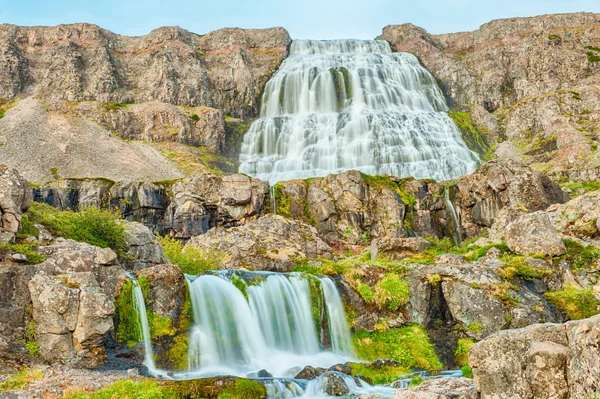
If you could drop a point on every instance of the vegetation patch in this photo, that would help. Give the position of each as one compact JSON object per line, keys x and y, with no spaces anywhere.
{"x":129,"y":389}
{"x":461,"y":354}
{"x":381,"y":375}
{"x":410,"y":346}
{"x":577,"y":188}
{"x":128,"y":324}
{"x":576,"y":303}
{"x":473,"y":136}
{"x":102,"y":228}
{"x":515,"y":266}
{"x":580,"y":256}
{"x":21,"y":380}
{"x":114,"y":106}
{"x":191,"y":260}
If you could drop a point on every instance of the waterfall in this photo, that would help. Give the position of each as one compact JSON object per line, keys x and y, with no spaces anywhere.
{"x":140,"y":307}
{"x":353,"y":104}
{"x":456,"y":234}
{"x":269,"y":327}
{"x":273,"y":200}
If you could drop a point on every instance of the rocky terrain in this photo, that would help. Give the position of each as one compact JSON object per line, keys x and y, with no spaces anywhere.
{"x":528,"y":84}
{"x":116,"y":170}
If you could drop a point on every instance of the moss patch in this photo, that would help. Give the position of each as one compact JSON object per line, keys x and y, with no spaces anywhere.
{"x":576,"y":188}
{"x":410,"y":346}
{"x":379,"y":375}
{"x":21,"y":380}
{"x":473,"y":136}
{"x":128,"y":325}
{"x":576,"y":303}
{"x":190,"y":260}
{"x":579,"y":256}
{"x":461,"y":353}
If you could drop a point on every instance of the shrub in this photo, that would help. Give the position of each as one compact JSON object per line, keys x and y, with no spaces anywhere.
{"x":92,"y":225}
{"x":190,"y":260}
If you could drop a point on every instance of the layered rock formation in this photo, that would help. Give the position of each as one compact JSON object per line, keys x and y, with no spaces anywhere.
{"x":15,"y":198}
{"x":530,"y":84}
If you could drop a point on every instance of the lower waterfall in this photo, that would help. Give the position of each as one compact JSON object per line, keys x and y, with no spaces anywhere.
{"x":140,"y":307}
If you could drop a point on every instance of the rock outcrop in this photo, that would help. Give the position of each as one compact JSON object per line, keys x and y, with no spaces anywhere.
{"x":539,"y":361}
{"x":15,"y":198}
{"x":532,"y":234}
{"x":530,"y":84}
{"x":82,"y":62}
{"x":143,"y":248}
{"x":269,"y":243}
{"x":455,"y":388}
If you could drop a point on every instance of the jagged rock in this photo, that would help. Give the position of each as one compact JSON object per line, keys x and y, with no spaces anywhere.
{"x":533,"y":234}
{"x":309,"y":373}
{"x":398,"y":247}
{"x":71,"y":314}
{"x":143,"y":247}
{"x":169,"y":64}
{"x":539,"y":361}
{"x":204,"y":201}
{"x":579,"y":217}
{"x":269,"y":243}
{"x":167,"y":291}
{"x":538,"y":102}
{"x":443,"y":388}
{"x":15,"y":198}
{"x":481,"y":196}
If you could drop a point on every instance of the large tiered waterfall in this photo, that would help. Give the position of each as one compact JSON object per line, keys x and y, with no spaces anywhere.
{"x":353,"y":104}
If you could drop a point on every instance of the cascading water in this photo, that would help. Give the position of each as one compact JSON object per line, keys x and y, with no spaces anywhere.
{"x":272,"y":329}
{"x":140,"y":307}
{"x":353,"y":104}
{"x":456,"y":234}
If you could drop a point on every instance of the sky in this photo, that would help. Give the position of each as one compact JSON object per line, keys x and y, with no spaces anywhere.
{"x":304,"y":19}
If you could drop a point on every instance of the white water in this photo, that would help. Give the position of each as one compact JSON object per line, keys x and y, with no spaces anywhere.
{"x":353,"y":104}
{"x":140,"y":307}
{"x":341,"y":341}
{"x":272,"y":330}
{"x":455,"y":224}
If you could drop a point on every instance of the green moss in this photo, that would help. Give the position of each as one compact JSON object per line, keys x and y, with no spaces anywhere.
{"x":579,"y":256}
{"x":240,"y":285}
{"x":365,"y":292}
{"x":391,"y":292}
{"x":21,"y":380}
{"x":576,"y":187}
{"x":282,"y":201}
{"x":29,"y":249}
{"x":194,"y":117}
{"x":317,"y":301}
{"x":190,"y":260}
{"x":378,"y":375}
{"x":467,"y":371}
{"x":408,"y":345}
{"x":160,"y":326}
{"x":475,"y":327}
{"x":30,"y":343}
{"x":243,"y":389}
{"x":128,"y":325}
{"x":415,"y":381}
{"x":553,"y":37}
{"x":462,"y":351}
{"x":473,"y":136}
{"x":114,"y":106}
{"x":576,"y":303}
{"x":515,"y":266}
{"x":27,"y":227}
{"x":102,"y":228}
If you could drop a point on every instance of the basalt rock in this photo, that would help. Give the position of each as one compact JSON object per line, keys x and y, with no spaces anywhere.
{"x":539,"y":361}
{"x":15,"y":198}
{"x":143,"y":248}
{"x":269,"y":243}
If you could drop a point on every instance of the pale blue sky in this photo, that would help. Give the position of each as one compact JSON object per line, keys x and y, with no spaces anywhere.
{"x":310,"y":19}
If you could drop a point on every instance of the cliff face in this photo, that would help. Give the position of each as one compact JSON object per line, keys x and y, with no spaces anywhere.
{"x":531,"y":84}
{"x":225,"y":69}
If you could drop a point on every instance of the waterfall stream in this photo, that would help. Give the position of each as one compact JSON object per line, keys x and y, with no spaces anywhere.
{"x":353,"y":104}
{"x":140,"y":307}
{"x":456,"y":234}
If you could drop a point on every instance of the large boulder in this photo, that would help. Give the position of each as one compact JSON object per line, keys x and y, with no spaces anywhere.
{"x":15,"y":198}
{"x":71,"y":315}
{"x":143,"y":248}
{"x":539,"y":361}
{"x":443,"y":388}
{"x":270,"y":243}
{"x":534,"y":234}
{"x":578,"y":217}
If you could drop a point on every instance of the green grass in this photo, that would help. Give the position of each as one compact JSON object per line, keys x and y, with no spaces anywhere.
{"x":461,"y":353}
{"x":575,"y":187}
{"x":128,"y":389}
{"x":28,"y":249}
{"x":576,"y":303}
{"x":128,"y":326}
{"x":190,"y":260}
{"x":410,"y":346}
{"x":102,"y":228}
{"x":515,"y":266}
{"x":21,"y":380}
{"x":391,"y":292}
{"x":114,"y":106}
{"x":579,"y":256}
{"x":243,"y":389}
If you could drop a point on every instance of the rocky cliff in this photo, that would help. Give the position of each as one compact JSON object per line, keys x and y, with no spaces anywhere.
{"x":529,"y":85}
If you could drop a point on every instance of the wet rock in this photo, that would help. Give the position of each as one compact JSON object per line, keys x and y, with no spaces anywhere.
{"x":167,"y":292}
{"x":264,"y":374}
{"x":269,"y":243}
{"x":15,"y":198}
{"x":443,"y":388}
{"x":334,"y":384}
{"x":534,"y":234}
{"x":309,"y":373}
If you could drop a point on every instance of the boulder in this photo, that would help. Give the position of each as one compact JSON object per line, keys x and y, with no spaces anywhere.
{"x":579,"y":217}
{"x":396,"y":248}
{"x":334,"y":383}
{"x":532,"y":234}
{"x":442,"y":388}
{"x":167,"y":292}
{"x":539,"y":361}
{"x":270,"y":243}
{"x":15,"y":198}
{"x":143,"y":248}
